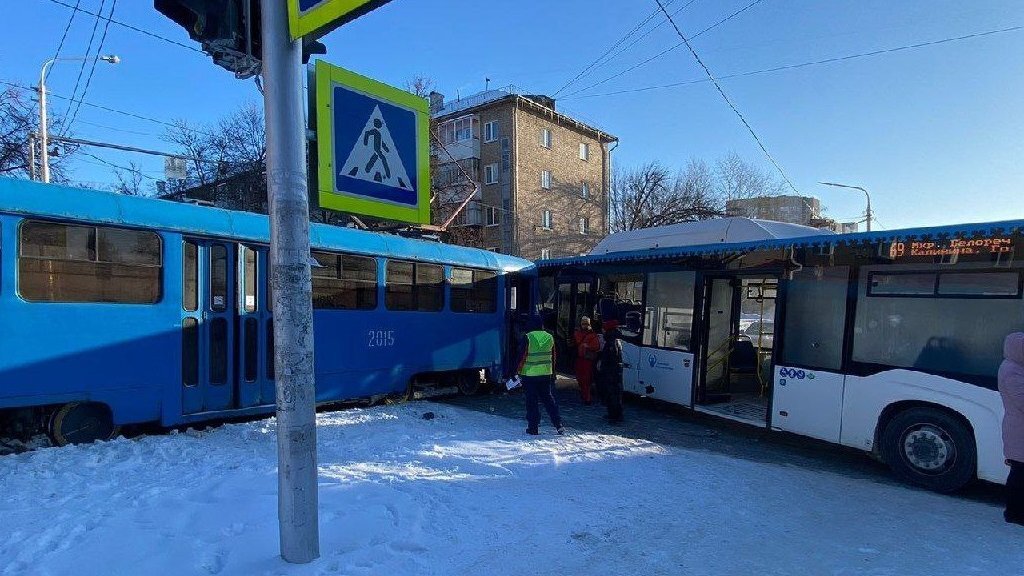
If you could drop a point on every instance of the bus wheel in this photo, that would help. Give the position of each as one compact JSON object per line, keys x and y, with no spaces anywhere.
{"x":82,"y":423}
{"x":931,"y":448}
{"x":468,"y":382}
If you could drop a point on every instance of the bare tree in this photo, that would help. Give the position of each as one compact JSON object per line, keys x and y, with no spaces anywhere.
{"x":19,"y":117}
{"x":736,"y":179}
{"x":651,"y":196}
{"x":129,"y":181}
{"x":235,"y":145}
{"x":421,"y":86}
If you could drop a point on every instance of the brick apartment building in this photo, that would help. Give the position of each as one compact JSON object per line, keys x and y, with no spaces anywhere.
{"x":538,"y":179}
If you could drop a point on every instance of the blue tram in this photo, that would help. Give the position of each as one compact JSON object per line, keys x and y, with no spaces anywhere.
{"x":120,"y":310}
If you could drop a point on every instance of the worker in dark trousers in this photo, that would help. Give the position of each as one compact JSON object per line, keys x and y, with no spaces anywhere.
{"x":537,"y":370}
{"x":609,"y":371}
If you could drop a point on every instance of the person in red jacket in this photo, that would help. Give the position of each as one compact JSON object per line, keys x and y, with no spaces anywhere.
{"x":587,"y":344}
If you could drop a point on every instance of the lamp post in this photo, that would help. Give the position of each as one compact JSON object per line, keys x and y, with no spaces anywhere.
{"x":43,"y":134}
{"x":867,"y":214}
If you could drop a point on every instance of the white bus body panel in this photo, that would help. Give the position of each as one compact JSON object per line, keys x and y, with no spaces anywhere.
{"x":630,"y":368}
{"x":866,"y":397}
{"x":808,"y":402}
{"x":669,"y":372}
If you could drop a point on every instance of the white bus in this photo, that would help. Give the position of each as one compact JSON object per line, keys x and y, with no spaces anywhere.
{"x":888,"y":342}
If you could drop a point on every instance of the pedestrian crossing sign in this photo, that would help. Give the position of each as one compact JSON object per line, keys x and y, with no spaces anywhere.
{"x":373,"y":154}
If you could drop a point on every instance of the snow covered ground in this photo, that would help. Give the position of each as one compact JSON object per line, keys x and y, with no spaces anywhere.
{"x":469,"y":493}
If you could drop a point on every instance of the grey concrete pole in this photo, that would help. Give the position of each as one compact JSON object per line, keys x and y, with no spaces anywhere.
{"x":43,"y":133}
{"x":293,"y":303}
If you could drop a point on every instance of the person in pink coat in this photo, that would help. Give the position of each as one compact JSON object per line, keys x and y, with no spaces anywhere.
{"x":1011,"y":388}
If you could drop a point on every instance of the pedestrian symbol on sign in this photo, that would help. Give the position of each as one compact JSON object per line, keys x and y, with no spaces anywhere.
{"x":374,"y":157}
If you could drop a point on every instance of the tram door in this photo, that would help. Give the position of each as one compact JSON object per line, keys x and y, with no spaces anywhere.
{"x":225,"y":324}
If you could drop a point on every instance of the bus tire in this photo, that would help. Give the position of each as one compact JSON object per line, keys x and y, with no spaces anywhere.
{"x":82,"y":423}
{"x":468,"y":382}
{"x":930,"y":447}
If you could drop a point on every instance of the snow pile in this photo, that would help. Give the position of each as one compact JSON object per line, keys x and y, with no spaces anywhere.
{"x":469,"y":493}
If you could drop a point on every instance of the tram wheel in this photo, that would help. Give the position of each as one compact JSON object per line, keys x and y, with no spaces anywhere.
{"x":82,"y":423}
{"x":931,"y":448}
{"x":468,"y":382}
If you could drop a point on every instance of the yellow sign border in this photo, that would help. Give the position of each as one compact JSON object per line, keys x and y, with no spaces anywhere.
{"x":327,"y":76}
{"x":330,"y":14}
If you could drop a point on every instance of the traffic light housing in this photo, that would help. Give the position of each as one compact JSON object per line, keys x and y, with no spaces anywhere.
{"x":228,"y":30}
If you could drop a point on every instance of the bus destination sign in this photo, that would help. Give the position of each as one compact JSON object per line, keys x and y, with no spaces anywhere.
{"x":951,"y":247}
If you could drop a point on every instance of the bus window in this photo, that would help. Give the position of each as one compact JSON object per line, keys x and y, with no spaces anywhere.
{"x":670,"y":309}
{"x":934,"y":332}
{"x":473,"y":290}
{"x":815,"y":317}
{"x":414,"y":286}
{"x":344,"y":282}
{"x":70,"y":263}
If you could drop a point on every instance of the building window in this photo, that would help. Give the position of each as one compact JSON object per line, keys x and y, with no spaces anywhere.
{"x":545,"y":253}
{"x":70,"y":263}
{"x":545,"y":137}
{"x":458,"y":130}
{"x":473,"y":290}
{"x":584,"y":151}
{"x":414,"y":286}
{"x":584,"y":225}
{"x":344,"y":282}
{"x":545,"y":179}
{"x":585,"y":191}
{"x":492,"y":216}
{"x":491,"y":131}
{"x":491,"y":174}
{"x":545,"y":220}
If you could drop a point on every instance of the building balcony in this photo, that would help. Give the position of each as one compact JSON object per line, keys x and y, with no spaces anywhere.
{"x":457,"y":151}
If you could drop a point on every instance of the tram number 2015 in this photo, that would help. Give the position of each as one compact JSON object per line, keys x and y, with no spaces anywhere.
{"x":381,"y":338}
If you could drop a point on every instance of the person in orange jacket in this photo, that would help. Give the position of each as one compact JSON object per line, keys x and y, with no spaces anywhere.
{"x":587,"y":344}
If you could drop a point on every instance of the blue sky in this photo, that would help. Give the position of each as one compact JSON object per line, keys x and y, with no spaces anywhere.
{"x":935,"y":133}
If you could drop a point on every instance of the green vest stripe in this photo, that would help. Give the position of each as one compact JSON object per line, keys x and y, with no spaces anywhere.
{"x":538,"y":354}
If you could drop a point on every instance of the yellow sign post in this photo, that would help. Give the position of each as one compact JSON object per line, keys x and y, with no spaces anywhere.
{"x":318,"y":17}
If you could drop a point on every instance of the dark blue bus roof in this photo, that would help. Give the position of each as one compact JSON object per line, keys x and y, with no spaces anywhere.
{"x":25,"y":197}
{"x":859,"y":238}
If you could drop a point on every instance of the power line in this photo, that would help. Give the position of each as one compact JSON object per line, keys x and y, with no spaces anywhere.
{"x":64,"y":36}
{"x":118,"y":166}
{"x":613,"y":47}
{"x":130,"y":27}
{"x":92,"y":70}
{"x":670,"y":48}
{"x":806,"y":64}
{"x":88,"y":50}
{"x":728,"y":101}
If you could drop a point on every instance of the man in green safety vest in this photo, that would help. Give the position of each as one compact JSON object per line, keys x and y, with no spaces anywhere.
{"x":537,"y":370}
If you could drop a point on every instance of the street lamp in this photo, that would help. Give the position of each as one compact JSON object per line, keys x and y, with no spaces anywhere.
{"x":109,"y":58}
{"x":868,"y":196}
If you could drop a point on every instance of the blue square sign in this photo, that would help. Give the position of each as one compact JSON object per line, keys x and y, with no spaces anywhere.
{"x":374,"y":148}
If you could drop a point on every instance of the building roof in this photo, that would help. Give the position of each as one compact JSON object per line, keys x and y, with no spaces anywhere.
{"x":492,"y":97}
{"x":822,"y":239}
{"x":719,"y":230}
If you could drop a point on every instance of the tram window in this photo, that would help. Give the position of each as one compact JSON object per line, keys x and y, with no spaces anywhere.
{"x":190,"y":276}
{"x":815,"y":318}
{"x":70,"y":263}
{"x":473,"y":290}
{"x":189,"y":351}
{"x":414,"y":286}
{"x":218,"y":278}
{"x":670,"y":309}
{"x":934,"y":333}
{"x":219,"y":351}
{"x":344,"y":282}
{"x":249,"y":269}
{"x":251,"y":349}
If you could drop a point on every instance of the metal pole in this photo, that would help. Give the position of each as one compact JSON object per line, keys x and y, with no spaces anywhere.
{"x":290,"y":273}
{"x":869,"y":208}
{"x":32,"y":156}
{"x":45,"y":152}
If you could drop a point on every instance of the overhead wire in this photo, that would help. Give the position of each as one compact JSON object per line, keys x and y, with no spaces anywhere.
{"x":725,"y":97}
{"x":670,"y":48}
{"x":64,"y":36}
{"x":131,"y":27}
{"x":85,"y":60}
{"x":806,"y":64}
{"x":92,"y":70}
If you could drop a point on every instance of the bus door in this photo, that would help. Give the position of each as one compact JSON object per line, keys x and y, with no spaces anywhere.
{"x":809,"y":386}
{"x":575,"y":299}
{"x":255,"y":382}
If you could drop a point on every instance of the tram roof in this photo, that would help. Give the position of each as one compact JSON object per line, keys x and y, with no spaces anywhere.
{"x":966,"y":231}
{"x":99,"y":207}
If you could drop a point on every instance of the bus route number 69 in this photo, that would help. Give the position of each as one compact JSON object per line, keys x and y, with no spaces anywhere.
{"x":381,"y":338}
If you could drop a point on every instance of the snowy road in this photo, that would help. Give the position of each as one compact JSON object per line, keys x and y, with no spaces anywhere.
{"x":468,"y":493}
